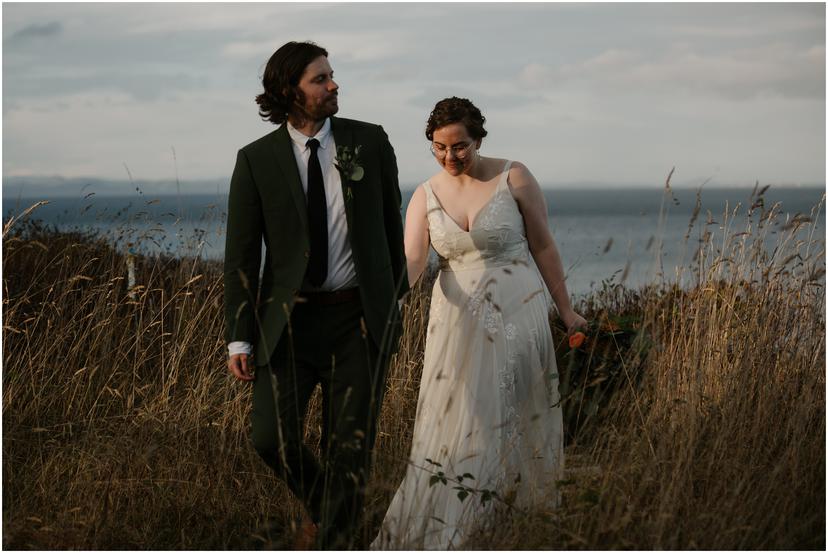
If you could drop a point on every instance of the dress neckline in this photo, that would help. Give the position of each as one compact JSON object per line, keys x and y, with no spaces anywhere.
{"x":501,"y":180}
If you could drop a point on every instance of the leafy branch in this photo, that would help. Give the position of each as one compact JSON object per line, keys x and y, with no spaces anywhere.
{"x":439,"y":476}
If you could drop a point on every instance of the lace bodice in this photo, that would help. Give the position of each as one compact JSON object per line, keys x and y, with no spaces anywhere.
{"x":496,"y":237}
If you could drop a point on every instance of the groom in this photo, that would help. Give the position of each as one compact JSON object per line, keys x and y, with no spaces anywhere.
{"x":322,"y":192}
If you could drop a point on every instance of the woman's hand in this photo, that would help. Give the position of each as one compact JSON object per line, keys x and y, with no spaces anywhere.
{"x":416,"y":236}
{"x":573,"y":322}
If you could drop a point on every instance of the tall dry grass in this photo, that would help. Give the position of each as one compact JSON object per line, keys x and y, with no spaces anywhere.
{"x":122,"y":428}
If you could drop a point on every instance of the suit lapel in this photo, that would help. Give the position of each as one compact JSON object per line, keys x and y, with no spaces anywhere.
{"x":344,"y":137}
{"x":287,"y":163}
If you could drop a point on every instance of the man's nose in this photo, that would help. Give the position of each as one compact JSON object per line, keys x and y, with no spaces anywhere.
{"x":333,"y":86}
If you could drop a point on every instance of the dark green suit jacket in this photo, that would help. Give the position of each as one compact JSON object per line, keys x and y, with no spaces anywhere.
{"x":267,"y":202}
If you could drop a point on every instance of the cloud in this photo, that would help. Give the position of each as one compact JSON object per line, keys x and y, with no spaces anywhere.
{"x":37,"y":30}
{"x":249,"y":49}
{"x":536,"y":75}
{"x":165,"y":18}
{"x":484,"y":95}
{"x":773,"y":69}
{"x":366,"y":46}
{"x":733,"y":22}
{"x":576,"y":91}
{"x":140,"y":85}
{"x":344,"y":47}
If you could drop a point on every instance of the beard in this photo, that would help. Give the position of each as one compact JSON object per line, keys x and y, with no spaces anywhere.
{"x":316,"y":112}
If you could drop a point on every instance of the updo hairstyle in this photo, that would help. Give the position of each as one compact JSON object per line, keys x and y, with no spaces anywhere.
{"x":456,"y":110}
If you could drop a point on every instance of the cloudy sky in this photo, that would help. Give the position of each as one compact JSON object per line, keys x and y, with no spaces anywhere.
{"x":582,"y":93}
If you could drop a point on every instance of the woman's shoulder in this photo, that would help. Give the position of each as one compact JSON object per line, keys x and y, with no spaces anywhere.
{"x":434,"y":181}
{"x":519,"y":175}
{"x":421,"y":191}
{"x":494,"y":165}
{"x":516,"y":169}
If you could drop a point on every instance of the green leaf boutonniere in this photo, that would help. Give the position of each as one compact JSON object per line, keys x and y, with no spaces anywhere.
{"x":347,"y":163}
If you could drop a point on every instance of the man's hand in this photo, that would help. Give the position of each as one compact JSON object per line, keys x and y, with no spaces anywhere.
{"x":240,"y":366}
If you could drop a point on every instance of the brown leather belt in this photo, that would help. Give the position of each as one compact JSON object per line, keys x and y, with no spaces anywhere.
{"x":328,"y":298}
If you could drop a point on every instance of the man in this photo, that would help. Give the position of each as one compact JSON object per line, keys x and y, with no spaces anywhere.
{"x":322,"y":192}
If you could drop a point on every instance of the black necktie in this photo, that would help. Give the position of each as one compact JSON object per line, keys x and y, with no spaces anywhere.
{"x":317,"y":218}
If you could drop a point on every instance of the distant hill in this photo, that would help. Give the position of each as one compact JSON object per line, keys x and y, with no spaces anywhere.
{"x":62,"y":187}
{"x":53,"y":187}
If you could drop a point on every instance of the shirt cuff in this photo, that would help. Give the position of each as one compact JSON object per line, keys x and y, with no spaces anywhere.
{"x":235,"y":348}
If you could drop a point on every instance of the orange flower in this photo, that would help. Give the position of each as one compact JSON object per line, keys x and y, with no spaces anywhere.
{"x":577,"y":340}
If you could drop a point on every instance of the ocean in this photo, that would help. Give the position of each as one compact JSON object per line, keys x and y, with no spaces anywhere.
{"x":603,"y":235}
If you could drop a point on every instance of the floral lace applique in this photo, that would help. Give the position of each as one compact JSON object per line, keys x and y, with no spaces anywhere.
{"x":493,"y":319}
{"x":497,"y":238}
{"x":475,"y":303}
{"x":492,"y":209}
{"x":482,"y":307}
{"x":508,"y":381}
{"x":435,"y":314}
{"x":533,"y":338}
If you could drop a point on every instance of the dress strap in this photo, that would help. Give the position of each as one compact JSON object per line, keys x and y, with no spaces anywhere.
{"x":505,"y":174}
{"x":429,"y":193}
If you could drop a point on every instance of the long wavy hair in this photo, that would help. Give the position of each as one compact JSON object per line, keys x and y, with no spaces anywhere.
{"x":281,"y":79}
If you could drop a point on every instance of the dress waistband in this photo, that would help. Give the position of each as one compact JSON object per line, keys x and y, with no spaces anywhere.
{"x":491,"y":263}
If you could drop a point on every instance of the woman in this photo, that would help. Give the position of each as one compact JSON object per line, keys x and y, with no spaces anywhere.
{"x":488,"y":415}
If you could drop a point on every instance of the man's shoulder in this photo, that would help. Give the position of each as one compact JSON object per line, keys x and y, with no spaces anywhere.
{"x":262,"y":143}
{"x":355,"y":124}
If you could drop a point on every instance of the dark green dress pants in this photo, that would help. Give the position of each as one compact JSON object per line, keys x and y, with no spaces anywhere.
{"x":326,"y":345}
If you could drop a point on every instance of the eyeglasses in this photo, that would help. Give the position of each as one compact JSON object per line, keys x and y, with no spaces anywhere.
{"x":460,"y":152}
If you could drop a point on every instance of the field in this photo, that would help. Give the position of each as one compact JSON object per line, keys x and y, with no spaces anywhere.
{"x":695,"y":417}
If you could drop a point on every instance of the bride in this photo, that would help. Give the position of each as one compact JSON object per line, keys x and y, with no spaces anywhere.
{"x":488,"y":415}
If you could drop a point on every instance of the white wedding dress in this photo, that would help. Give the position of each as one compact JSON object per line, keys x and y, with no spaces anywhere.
{"x":488,"y":404}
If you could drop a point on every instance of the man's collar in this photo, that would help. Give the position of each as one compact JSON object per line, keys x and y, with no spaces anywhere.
{"x":301,"y":140}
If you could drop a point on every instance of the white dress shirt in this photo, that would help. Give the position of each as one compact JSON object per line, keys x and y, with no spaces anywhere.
{"x":341,"y":271}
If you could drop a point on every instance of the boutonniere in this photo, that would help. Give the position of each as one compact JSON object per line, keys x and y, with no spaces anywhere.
{"x":347,"y":163}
